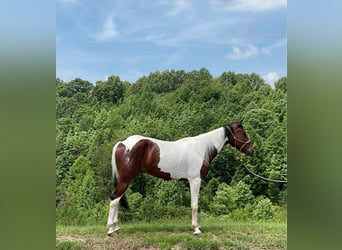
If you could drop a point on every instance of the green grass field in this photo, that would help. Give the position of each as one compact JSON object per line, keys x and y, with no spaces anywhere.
{"x":217,"y":233}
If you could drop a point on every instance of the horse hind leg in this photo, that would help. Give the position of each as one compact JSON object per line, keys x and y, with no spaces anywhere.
{"x":112,"y":223}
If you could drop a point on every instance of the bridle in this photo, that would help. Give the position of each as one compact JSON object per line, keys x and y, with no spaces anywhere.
{"x":244,"y":143}
{"x":243,"y":162}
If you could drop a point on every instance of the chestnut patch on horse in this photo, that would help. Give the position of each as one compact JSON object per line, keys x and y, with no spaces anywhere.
{"x":149,"y":155}
{"x":144,"y":156}
{"x":209,"y":156}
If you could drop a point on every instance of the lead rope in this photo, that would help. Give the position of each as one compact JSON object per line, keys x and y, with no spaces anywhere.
{"x":243,"y":162}
{"x":264,"y":178}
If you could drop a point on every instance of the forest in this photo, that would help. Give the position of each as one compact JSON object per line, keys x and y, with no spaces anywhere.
{"x":169,"y":105}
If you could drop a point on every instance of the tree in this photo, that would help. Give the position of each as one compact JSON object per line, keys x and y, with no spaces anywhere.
{"x":227,"y":79}
{"x":79,"y":168}
{"x":78,"y":191}
{"x":193,"y":88}
{"x":281,"y":84}
{"x":75,"y":86}
{"x":162,"y":82}
{"x":255,"y":81}
{"x":110,"y":91}
{"x":87,"y":191}
{"x":261,"y":121}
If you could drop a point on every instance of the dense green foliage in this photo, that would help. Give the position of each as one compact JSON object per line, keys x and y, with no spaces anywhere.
{"x":168,"y":105}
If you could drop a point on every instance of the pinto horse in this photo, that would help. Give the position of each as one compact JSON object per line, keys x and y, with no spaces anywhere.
{"x":184,"y":159}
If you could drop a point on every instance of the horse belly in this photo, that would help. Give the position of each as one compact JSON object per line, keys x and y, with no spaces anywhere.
{"x":180,"y":164}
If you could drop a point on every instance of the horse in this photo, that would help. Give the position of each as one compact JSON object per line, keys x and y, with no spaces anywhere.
{"x":185,"y":159}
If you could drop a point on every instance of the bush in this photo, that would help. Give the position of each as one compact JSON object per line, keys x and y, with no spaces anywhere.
{"x":223,"y":202}
{"x":239,"y":204}
{"x":151,"y":210}
{"x":262,"y":209}
{"x":243,"y":196}
{"x":241,"y":214}
{"x":135,"y":203}
{"x":228,"y":198}
{"x":279,"y":213}
{"x":170,"y":193}
{"x":69,"y":214}
{"x":207,"y":194}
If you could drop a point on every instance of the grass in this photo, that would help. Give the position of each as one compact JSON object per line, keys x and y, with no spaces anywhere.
{"x":217,"y":233}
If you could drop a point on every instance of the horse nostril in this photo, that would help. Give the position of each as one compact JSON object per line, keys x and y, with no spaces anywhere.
{"x":250,"y":152}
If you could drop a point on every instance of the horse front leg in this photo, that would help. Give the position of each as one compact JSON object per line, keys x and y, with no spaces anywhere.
{"x":195,"y":185}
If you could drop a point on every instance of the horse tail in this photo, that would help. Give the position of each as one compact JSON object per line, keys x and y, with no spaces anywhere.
{"x":123,"y":199}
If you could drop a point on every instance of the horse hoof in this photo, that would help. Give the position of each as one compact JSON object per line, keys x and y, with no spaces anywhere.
{"x":111,"y":234}
{"x":197,"y":231}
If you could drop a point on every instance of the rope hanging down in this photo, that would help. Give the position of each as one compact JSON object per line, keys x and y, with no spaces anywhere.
{"x":266,"y":179}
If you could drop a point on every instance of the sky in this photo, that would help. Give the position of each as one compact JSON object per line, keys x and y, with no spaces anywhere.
{"x":130,"y":39}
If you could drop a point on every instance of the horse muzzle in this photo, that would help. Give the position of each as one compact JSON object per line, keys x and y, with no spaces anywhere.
{"x":249,"y":152}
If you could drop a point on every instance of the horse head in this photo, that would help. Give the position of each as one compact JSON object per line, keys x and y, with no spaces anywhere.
{"x":238,"y":138}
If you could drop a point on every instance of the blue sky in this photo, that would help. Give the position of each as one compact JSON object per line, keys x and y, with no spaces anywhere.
{"x":130,"y":39}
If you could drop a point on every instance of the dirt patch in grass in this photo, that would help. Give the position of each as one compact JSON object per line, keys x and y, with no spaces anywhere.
{"x":97,"y":243}
{"x":71,"y":238}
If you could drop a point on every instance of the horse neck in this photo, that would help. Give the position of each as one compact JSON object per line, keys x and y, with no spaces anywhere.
{"x":216,"y":138}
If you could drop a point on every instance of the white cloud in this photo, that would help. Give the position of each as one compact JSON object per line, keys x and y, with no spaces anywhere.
{"x":108,"y":32}
{"x":239,"y":54}
{"x":266,"y":51}
{"x":271,"y":78}
{"x":278,"y":44}
{"x":248,"y":5}
{"x":177,"y":6}
{"x":195,"y":31}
